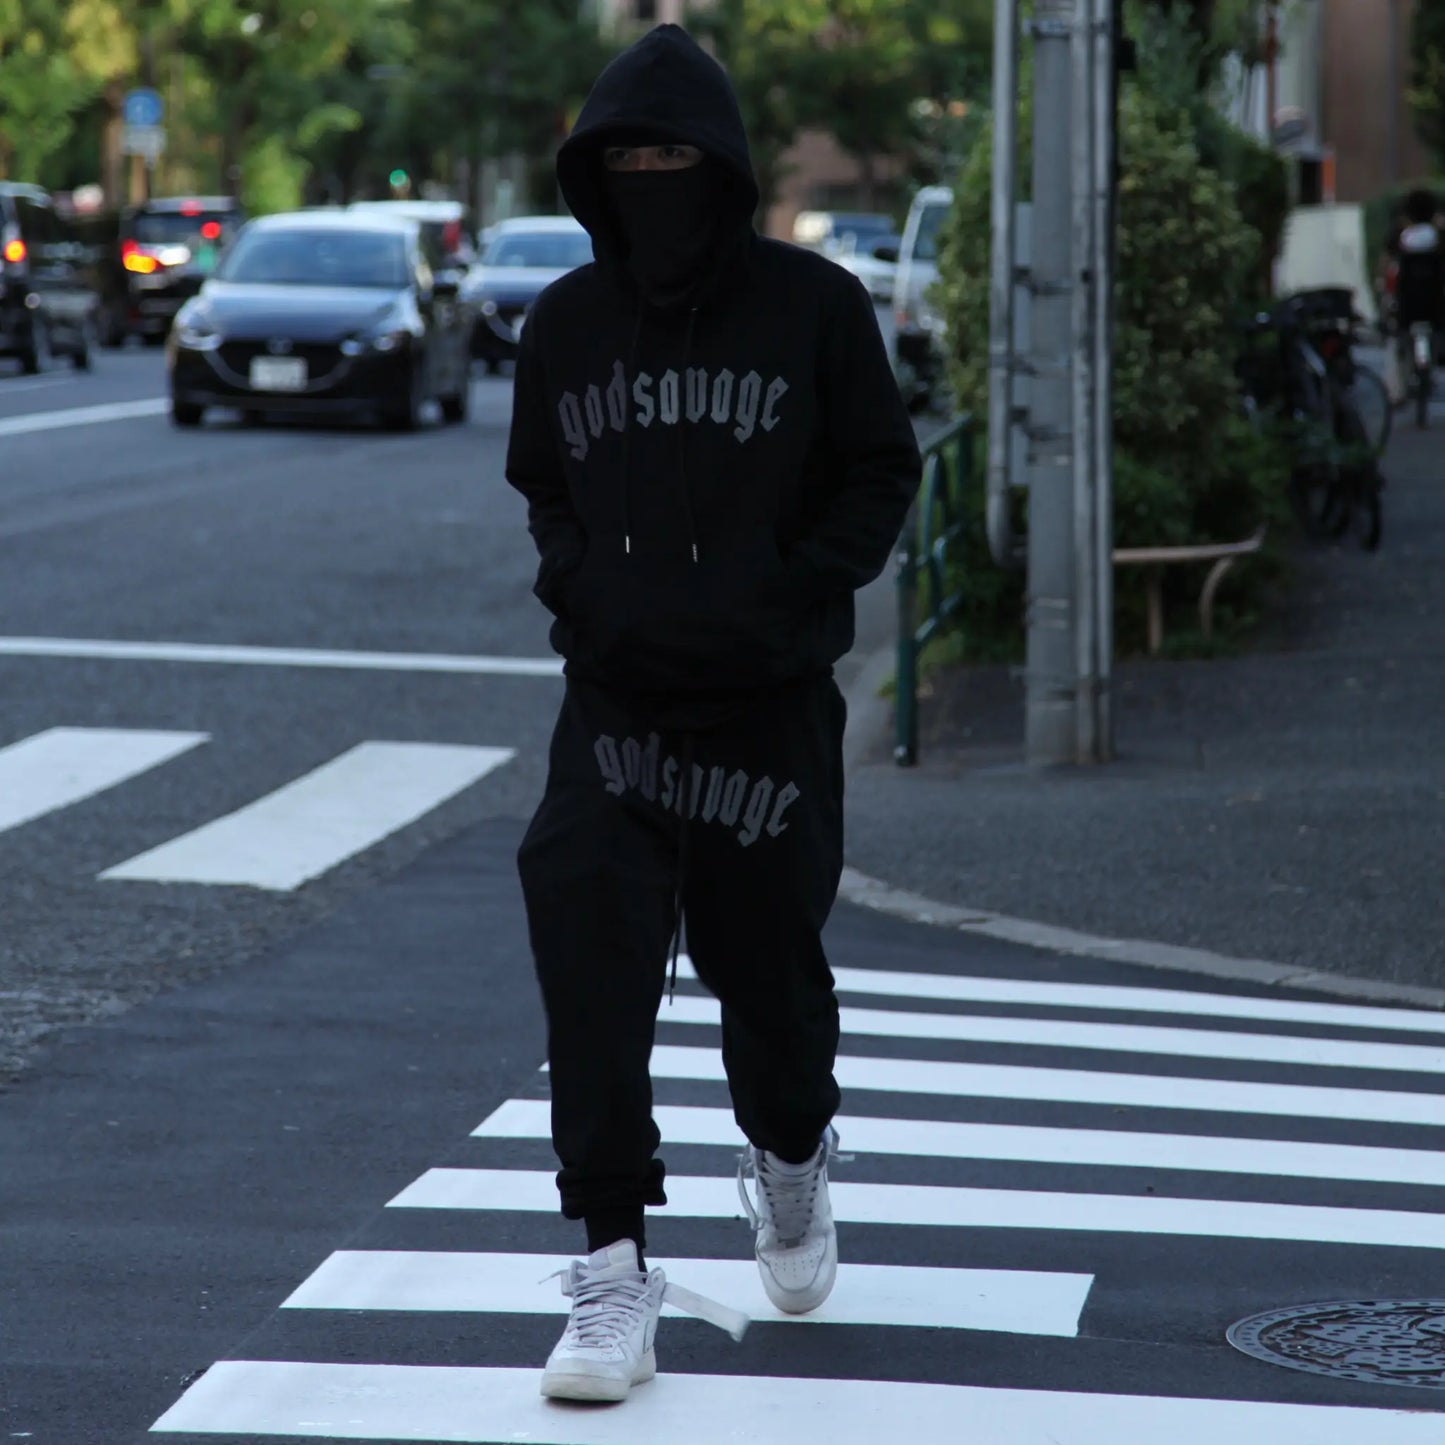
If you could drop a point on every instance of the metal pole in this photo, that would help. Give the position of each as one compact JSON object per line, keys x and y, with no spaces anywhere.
{"x":1395,"y":92}
{"x":905,"y":681}
{"x":1106,"y":121}
{"x":1049,"y":705}
{"x":1002,"y":258}
{"x":1085,"y":267}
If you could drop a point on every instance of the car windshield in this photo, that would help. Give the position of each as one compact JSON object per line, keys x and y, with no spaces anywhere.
{"x":925,"y":244}
{"x":298,"y":257}
{"x":554,"y":250}
{"x":171,"y":228}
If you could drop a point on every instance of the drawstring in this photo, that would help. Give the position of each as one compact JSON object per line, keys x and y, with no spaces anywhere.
{"x":687,"y":800}
{"x":627,"y":442}
{"x":682,"y":437}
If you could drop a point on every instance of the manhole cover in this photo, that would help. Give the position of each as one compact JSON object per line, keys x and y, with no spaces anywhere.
{"x":1386,"y":1342}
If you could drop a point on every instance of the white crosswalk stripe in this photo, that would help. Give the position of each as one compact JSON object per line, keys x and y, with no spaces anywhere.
{"x":1286,"y":1149}
{"x":306,"y":828}
{"x":279,"y":840}
{"x":63,"y":766}
{"x":1009,"y":1301}
{"x":440,"y":1403}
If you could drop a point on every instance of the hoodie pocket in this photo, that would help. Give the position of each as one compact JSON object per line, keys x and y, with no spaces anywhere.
{"x":723,"y":621}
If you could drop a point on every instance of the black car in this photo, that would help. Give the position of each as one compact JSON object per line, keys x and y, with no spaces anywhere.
{"x":161,"y":252}
{"x":48,"y":296}
{"x":323,"y":311}
{"x":523,"y":257}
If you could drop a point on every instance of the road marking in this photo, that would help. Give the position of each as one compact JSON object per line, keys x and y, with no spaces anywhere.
{"x":935,"y":1206}
{"x":1189,"y":1043}
{"x":12,"y":426}
{"x":939,"y":1139}
{"x":449,"y":1403}
{"x":1083,"y":1086}
{"x":962,"y":988}
{"x":306,"y":828}
{"x":235,"y":656}
{"x":1020,"y":1302}
{"x":62,"y":766}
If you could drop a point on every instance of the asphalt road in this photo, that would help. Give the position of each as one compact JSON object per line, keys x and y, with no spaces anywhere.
{"x":266,"y":536}
{"x":285,"y":1174}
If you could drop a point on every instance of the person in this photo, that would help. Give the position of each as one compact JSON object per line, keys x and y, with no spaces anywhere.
{"x":1420,"y":267}
{"x":715,"y":456}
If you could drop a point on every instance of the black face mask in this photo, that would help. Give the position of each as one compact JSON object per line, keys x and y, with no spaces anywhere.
{"x":668,"y":221}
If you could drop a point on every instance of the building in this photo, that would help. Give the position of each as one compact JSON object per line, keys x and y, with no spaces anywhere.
{"x":1338,"y":97}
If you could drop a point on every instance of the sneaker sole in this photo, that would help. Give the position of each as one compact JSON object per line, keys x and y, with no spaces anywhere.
{"x":580,"y":1385}
{"x":804,"y":1301}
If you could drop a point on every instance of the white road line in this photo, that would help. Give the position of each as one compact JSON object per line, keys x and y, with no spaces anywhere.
{"x":306,"y":828}
{"x":62,"y":766}
{"x":1188,"y":1043}
{"x":1083,"y":1086}
{"x":12,"y":426}
{"x":690,"y":1196}
{"x":1019,"y":1302}
{"x":236,"y":656}
{"x":958,"y":988}
{"x":935,"y":1139}
{"x":449,"y":1403}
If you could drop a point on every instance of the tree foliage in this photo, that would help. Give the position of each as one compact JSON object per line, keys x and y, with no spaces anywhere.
{"x":1427,"y":79}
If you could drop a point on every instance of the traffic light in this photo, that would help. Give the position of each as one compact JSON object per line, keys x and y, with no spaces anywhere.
{"x":399,"y":179}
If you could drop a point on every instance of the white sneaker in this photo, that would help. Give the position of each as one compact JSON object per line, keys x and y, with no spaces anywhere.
{"x":607,"y":1347}
{"x":797,"y":1243}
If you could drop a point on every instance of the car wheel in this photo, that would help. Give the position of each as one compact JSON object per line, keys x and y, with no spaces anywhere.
{"x":80,"y":357}
{"x":185,"y":413}
{"x":38,"y":356}
{"x":406,"y":415}
{"x":113,"y":328}
{"x":454,"y":408}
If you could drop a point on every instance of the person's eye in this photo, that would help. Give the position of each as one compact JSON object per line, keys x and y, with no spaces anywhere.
{"x":616,"y":157}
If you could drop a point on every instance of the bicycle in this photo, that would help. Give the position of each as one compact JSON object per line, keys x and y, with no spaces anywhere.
{"x":1422,"y":358}
{"x":1335,"y":480}
{"x":1328,"y":317}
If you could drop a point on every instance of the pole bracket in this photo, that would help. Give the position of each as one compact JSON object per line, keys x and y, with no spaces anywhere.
{"x":1051,"y":29}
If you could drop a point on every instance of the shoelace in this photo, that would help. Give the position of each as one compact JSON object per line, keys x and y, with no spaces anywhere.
{"x":607,"y":1306}
{"x":788,"y":1200}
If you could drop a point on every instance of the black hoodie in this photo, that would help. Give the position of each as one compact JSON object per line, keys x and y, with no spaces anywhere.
{"x":708,"y":482}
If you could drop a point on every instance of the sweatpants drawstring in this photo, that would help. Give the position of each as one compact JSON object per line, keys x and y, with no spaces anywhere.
{"x":687,"y":800}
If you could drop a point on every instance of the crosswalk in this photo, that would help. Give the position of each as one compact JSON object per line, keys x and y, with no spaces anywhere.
{"x":278,"y":841}
{"x":1061,"y":1194}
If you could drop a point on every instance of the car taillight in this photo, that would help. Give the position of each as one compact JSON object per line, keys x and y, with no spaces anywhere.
{"x":211,"y":231}
{"x":15,"y":252}
{"x":139,"y":262}
{"x":452,"y":236}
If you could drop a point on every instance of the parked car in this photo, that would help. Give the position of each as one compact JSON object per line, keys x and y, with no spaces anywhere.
{"x":159,"y":253}
{"x":444,"y":221}
{"x":48,"y":296}
{"x":325,"y":312}
{"x":524,"y":256}
{"x":918,"y":328}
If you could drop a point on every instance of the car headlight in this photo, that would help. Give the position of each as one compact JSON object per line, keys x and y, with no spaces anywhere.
{"x":489,"y":308}
{"x":376,"y":342}
{"x":197,"y":333}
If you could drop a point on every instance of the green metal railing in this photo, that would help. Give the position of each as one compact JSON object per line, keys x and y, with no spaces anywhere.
{"x":932,"y":537}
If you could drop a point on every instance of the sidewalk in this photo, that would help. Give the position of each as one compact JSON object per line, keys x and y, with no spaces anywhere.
{"x":1286,"y":805}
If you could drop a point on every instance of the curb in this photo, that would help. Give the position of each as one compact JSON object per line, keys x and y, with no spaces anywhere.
{"x":865,"y":711}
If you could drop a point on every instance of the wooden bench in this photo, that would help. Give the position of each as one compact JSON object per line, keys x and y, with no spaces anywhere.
{"x":1223,"y":554}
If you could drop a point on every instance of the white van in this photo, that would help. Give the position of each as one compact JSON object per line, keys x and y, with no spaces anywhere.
{"x":918,"y":334}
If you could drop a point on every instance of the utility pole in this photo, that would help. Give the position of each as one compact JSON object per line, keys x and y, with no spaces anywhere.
{"x":1049,"y":729}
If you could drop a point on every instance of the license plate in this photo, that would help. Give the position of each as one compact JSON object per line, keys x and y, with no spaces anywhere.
{"x":278,"y":373}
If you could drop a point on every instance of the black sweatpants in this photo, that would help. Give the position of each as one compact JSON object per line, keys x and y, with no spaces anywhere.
{"x":759,"y":854}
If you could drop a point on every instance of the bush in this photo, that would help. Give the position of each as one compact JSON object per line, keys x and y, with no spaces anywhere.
{"x":1188,"y":466}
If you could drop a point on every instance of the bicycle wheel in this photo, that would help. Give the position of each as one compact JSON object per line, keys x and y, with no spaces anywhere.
{"x":1353,"y":497}
{"x":1370,"y":398}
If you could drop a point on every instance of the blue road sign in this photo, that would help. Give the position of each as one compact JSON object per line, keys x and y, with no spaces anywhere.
{"x":143,"y":107}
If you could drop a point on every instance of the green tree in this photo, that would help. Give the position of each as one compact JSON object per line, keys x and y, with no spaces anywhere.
{"x":1427,"y":79}
{"x":41,"y":86}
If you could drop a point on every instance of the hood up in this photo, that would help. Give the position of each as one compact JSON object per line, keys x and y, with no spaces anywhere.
{"x":669,"y":85}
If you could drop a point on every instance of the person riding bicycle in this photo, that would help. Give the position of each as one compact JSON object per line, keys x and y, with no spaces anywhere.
{"x":1420,"y":266}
